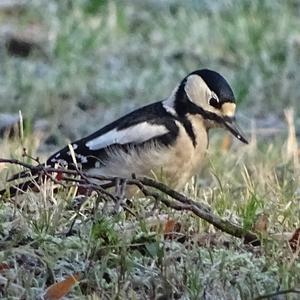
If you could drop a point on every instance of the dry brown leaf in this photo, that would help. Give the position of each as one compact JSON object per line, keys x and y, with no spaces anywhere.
{"x":59,"y":176}
{"x":170,"y":227}
{"x":261,"y":224}
{"x":226,"y":143}
{"x":59,"y":289}
{"x":295,"y":241}
{"x":4,"y":267}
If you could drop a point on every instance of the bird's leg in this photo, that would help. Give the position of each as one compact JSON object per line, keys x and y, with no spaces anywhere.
{"x":120,"y":192}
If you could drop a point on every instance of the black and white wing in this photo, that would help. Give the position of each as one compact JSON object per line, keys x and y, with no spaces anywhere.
{"x":147,"y":124}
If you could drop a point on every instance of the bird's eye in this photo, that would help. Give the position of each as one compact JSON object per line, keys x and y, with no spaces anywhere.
{"x":214,"y":102}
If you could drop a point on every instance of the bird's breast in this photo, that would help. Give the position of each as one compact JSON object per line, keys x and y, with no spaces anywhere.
{"x":188,"y":157}
{"x":174,"y":164}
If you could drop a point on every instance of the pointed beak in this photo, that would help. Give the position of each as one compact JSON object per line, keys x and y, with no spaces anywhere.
{"x":232,"y":126}
{"x":228,"y":112}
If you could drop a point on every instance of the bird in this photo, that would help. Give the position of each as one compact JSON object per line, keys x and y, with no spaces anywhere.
{"x":168,"y":137}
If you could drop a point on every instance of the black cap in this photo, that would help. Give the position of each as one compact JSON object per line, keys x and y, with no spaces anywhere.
{"x":217,"y":83}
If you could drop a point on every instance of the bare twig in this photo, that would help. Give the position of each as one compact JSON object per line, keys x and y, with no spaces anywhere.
{"x":149,"y":187}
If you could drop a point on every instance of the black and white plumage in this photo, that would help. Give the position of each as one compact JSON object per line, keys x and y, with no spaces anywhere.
{"x":169,"y":136}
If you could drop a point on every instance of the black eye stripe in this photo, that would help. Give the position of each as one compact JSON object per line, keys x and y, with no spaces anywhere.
{"x":215,"y":103}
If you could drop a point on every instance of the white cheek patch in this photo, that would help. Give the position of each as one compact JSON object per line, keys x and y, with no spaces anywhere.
{"x":135,"y":134}
{"x":228,"y":109}
{"x":197,"y":90}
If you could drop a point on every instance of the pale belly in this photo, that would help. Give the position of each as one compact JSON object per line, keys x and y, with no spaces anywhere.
{"x":173,"y":165}
{"x":188,"y":158}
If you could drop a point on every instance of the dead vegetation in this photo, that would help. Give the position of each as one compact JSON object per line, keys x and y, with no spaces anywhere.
{"x":68,"y":66}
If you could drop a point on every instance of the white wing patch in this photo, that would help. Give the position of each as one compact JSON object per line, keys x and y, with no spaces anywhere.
{"x":135,"y":134}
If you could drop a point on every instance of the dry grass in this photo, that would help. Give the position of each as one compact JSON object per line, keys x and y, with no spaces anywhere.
{"x":105,"y":63}
{"x":123,"y":256}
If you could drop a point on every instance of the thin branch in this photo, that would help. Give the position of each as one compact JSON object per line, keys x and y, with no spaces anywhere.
{"x":147,"y":186}
{"x":191,"y":205}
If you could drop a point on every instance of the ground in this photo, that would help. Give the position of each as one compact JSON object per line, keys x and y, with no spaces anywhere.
{"x":68,"y":67}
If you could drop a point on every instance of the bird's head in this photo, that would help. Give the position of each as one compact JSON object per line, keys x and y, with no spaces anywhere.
{"x":207,"y":93}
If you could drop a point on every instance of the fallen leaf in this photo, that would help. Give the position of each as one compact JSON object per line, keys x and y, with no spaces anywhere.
{"x":59,"y":176}
{"x":261,"y":224}
{"x":226,"y":143}
{"x":295,"y":241}
{"x":59,"y":289}
{"x":170,"y":227}
{"x":4,"y":267}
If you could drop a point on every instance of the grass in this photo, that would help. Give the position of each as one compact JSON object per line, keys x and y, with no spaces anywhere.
{"x":103,"y":58}
{"x":125,"y":257}
{"x":130,"y":54}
